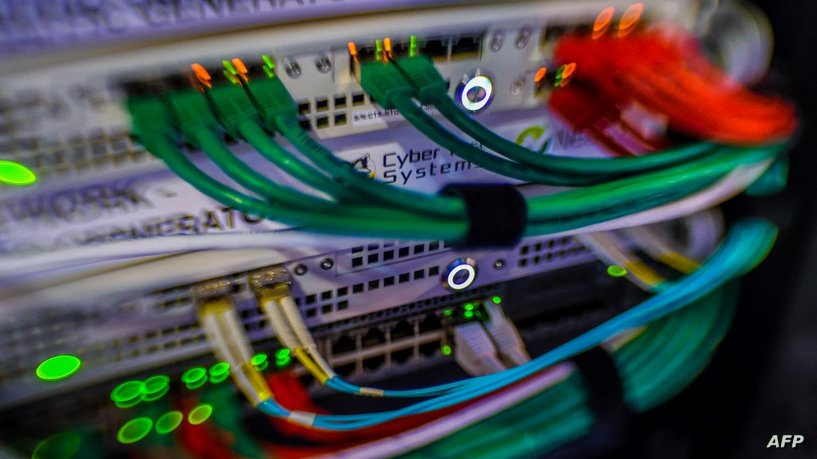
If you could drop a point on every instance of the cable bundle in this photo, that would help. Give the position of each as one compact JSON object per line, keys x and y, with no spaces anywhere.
{"x":671,"y":78}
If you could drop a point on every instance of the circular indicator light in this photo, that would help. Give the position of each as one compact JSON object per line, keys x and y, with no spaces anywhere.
{"x":446,"y":349}
{"x":497,"y":300}
{"x":58,"y":367}
{"x":60,"y":446}
{"x":152,"y":397}
{"x":477,"y":93}
{"x":281,"y":354}
{"x":194,"y":375}
{"x":199,"y":414}
{"x":128,"y":394}
{"x":14,"y":173}
{"x":134,"y":430}
{"x":259,"y":359}
{"x":616,"y":271}
{"x":460,"y":274}
{"x":168,"y":422}
{"x":219,"y":372}
{"x":281,"y":363}
{"x":156,"y":384}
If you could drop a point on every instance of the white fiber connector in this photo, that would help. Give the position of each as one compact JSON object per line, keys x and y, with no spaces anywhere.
{"x":505,"y":335}
{"x":474,"y":350}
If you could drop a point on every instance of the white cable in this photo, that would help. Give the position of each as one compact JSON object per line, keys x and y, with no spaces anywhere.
{"x":17,"y":266}
{"x":229,"y":343}
{"x":611,"y":250}
{"x":474,"y":350}
{"x":728,"y":187}
{"x":704,"y":231}
{"x":505,"y":335}
{"x":296,"y":323}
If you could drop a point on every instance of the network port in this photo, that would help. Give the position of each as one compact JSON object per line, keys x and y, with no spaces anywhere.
{"x":467,"y":47}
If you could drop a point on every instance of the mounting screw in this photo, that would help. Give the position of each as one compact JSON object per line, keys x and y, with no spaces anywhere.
{"x":323,"y":64}
{"x":499,"y":264}
{"x":292,"y":68}
{"x":516,"y":87}
{"x":327,"y":264}
{"x":497,"y":41}
{"x":300,"y":269}
{"x":523,"y":38}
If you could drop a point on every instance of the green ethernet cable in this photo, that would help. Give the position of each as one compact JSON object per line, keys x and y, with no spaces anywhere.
{"x":432,"y":89}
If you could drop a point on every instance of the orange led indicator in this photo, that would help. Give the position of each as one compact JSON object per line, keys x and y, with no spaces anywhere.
{"x":387,"y":52}
{"x":352,"y":50}
{"x":202,"y":75}
{"x":540,"y":75}
{"x":602,"y":23}
{"x":629,"y":20}
{"x":240,"y":68}
{"x":564,"y":74}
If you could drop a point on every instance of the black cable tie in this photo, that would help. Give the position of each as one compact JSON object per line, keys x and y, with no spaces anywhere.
{"x":605,"y":395}
{"x":497,"y":214}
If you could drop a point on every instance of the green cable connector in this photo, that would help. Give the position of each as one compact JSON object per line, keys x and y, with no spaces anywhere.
{"x":272,"y":100}
{"x":233,"y":108}
{"x":423,"y":75}
{"x":193,"y":114}
{"x":384,"y":82}
{"x":150,"y":120}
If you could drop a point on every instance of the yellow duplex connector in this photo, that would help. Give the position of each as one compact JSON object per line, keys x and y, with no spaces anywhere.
{"x":225,"y":333}
{"x":274,"y":294}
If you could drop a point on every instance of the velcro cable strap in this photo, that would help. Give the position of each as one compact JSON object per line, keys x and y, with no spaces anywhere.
{"x":605,"y":394}
{"x":497,"y":214}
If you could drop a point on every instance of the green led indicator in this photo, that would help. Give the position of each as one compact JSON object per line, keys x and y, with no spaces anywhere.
{"x":413,"y":45}
{"x":14,"y":173}
{"x":269,"y":66}
{"x":194,"y":375}
{"x":168,"y":422}
{"x":229,"y":67}
{"x":378,"y":49}
{"x":282,"y":363}
{"x":282,"y":354}
{"x":134,"y":430}
{"x":219,"y":372}
{"x":199,"y":414}
{"x":469,"y":306}
{"x":58,"y":367}
{"x":156,"y":387}
{"x":259,"y":359}
{"x":231,"y":77}
{"x":497,"y":300}
{"x":469,"y":314}
{"x":616,"y":271}
{"x":448,"y":312}
{"x":128,"y":394}
{"x":59,"y":446}
{"x":446,"y":349}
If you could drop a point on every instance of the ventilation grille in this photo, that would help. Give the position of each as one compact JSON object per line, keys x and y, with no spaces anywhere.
{"x":78,"y":154}
{"x":547,"y":250}
{"x":330,"y":111}
{"x":337,"y":300}
{"x":28,"y":341}
{"x":383,"y":253}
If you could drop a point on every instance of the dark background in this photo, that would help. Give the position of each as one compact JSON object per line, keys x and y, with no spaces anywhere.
{"x":763,"y":380}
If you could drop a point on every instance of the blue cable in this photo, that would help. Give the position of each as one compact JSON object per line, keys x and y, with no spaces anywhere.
{"x":747,"y":244}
